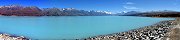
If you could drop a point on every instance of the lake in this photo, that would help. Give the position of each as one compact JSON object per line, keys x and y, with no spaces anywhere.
{"x":71,"y":27}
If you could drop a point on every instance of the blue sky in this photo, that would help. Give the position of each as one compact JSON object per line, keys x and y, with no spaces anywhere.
{"x":102,"y":5}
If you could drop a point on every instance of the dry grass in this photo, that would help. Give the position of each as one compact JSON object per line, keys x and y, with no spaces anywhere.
{"x":174,"y":34}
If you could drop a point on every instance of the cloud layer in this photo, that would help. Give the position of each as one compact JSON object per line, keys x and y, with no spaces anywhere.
{"x":128,"y":5}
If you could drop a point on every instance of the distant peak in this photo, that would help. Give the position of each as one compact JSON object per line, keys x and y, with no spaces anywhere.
{"x":105,"y":12}
{"x":68,"y":8}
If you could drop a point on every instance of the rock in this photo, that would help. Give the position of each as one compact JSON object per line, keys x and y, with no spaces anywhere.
{"x":157,"y":31}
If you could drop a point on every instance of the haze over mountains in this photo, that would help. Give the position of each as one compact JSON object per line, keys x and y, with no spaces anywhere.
{"x":17,"y":10}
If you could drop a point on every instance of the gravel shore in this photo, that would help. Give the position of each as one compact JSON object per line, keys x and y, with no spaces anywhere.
{"x":5,"y":36}
{"x":157,"y":31}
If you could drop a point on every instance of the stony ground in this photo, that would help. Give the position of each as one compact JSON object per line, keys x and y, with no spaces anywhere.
{"x":11,"y":37}
{"x":174,"y":33}
{"x":157,"y":31}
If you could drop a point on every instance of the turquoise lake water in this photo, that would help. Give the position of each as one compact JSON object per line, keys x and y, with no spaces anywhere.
{"x":71,"y":27}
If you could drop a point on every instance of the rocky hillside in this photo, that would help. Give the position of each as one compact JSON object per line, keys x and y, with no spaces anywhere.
{"x":17,"y":10}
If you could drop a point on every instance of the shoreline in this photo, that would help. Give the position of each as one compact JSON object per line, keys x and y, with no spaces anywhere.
{"x":156,"y":31}
{"x":4,"y":36}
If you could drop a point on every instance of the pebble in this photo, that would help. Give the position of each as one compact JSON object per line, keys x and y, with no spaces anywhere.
{"x":5,"y":36}
{"x":157,"y":31}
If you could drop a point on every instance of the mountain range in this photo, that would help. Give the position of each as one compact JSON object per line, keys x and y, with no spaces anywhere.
{"x":164,"y":13}
{"x":17,"y":10}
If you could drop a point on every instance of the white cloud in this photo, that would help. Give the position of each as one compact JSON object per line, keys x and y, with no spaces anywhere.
{"x":129,"y":3}
{"x":130,"y":7}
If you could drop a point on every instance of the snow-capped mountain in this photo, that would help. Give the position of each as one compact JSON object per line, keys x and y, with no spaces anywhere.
{"x":128,"y":13}
{"x":17,"y":10}
{"x":105,"y":12}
